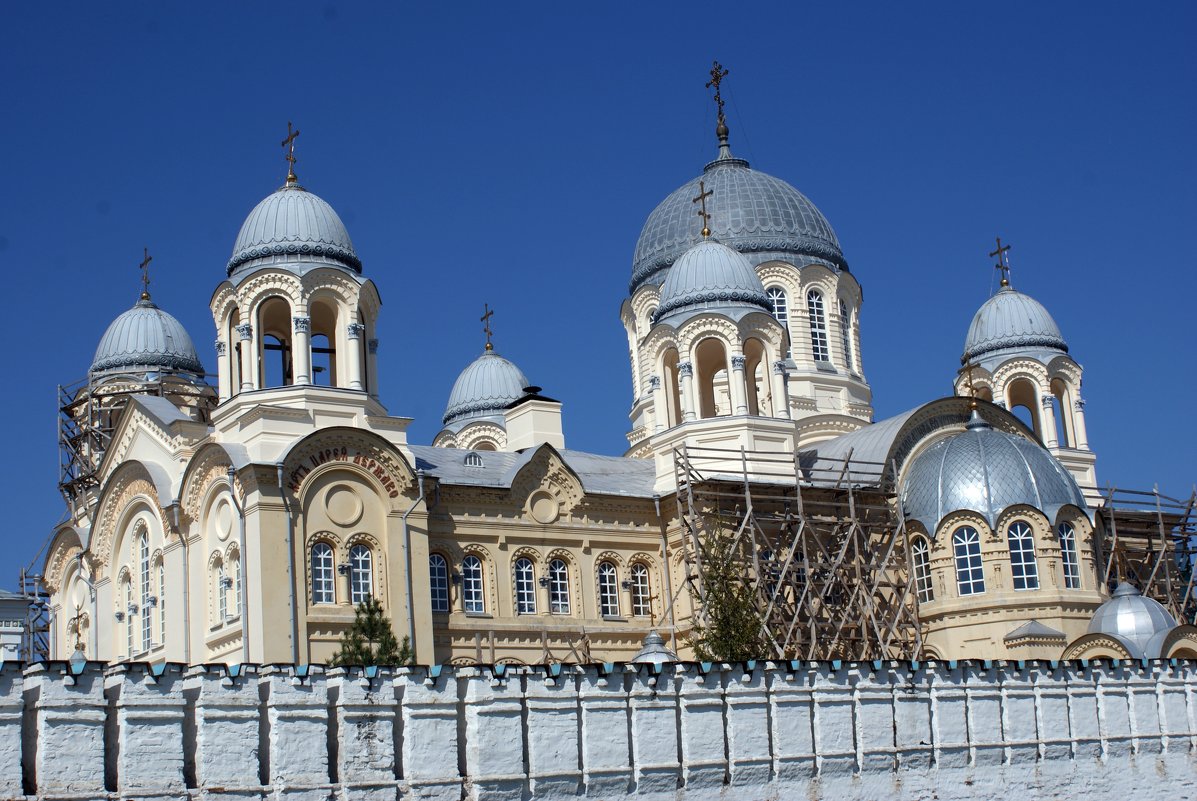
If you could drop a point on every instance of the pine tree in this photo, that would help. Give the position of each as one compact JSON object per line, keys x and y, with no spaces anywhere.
{"x":370,"y":640}
{"x":731,"y":630}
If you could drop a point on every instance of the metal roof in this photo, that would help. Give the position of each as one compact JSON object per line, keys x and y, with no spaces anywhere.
{"x":145,"y":338}
{"x":296,"y":229}
{"x":711,"y":276}
{"x":484,"y":389}
{"x":1011,"y":321}
{"x":600,"y":475}
{"x":1141,"y":624}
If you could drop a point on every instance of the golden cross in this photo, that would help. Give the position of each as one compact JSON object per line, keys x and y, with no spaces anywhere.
{"x":717,"y":76}
{"x":703,"y":194}
{"x":145,"y":274}
{"x":1003,"y":261}
{"x":290,"y":141}
{"x":488,"y":313}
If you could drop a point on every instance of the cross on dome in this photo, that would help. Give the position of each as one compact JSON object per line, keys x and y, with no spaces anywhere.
{"x":145,"y":274}
{"x":703,"y":194}
{"x":487,"y":313}
{"x":289,"y":142}
{"x":1003,"y":261}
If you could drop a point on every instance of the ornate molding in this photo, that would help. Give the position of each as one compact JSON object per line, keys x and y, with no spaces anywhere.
{"x":685,"y":369}
{"x":221,"y":347}
{"x":355,"y":330}
{"x":302,"y":325}
{"x":245,"y":331}
{"x":739,"y":361}
{"x":654,"y":382}
{"x":1079,"y":404}
{"x":779,"y":367}
{"x":327,"y":250}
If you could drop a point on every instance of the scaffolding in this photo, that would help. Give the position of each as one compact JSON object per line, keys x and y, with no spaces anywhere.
{"x":1149,"y":540}
{"x":820,"y":543}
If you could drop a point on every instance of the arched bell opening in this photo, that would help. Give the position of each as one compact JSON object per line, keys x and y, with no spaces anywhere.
{"x":277,"y":348}
{"x":710,"y":367}
{"x":1022,"y":399}
{"x":756,"y":376}
{"x":324,"y":344}
{"x":233,"y":338}
{"x":672,"y":413}
{"x":1062,"y":399}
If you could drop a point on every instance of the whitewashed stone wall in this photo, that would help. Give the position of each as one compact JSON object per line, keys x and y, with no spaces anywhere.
{"x":755,"y":731}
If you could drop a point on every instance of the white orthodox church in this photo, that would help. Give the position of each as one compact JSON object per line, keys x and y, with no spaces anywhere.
{"x":240,"y":517}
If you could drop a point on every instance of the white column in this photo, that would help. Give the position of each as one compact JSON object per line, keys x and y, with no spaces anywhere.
{"x":1078,"y":424}
{"x":739,"y":389}
{"x":301,"y":349}
{"x":660,"y":413}
{"x":356,"y":332}
{"x":224,"y":371}
{"x":686,"y":371}
{"x":1049,"y":421}
{"x":372,"y":366}
{"x":249,"y":366}
{"x":781,"y":398}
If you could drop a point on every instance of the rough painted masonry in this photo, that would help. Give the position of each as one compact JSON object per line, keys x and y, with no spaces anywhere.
{"x":757,"y":731}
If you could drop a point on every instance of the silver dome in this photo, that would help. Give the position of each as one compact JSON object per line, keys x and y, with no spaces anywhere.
{"x":1008,"y":321}
{"x":654,"y":651}
{"x":484,"y":389}
{"x":711,"y":275}
{"x":985,"y":470}
{"x":1141,"y":624}
{"x":293,"y":225}
{"x":752,"y":212}
{"x":145,"y":338}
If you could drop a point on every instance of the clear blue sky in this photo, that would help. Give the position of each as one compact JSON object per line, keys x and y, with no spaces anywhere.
{"x":509,"y":153}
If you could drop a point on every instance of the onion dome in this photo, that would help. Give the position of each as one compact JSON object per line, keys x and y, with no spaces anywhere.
{"x":145,"y":338}
{"x":985,"y":470}
{"x":1141,"y":624}
{"x":760,"y":216}
{"x":1011,"y":321}
{"x":484,"y":389}
{"x":294,"y":228}
{"x":654,"y":651}
{"x":710,"y":275}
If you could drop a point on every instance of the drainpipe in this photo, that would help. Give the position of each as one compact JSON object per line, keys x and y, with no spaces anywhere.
{"x":244,"y":568}
{"x":282,"y":491}
{"x":411,"y":617}
{"x":174,"y":523}
{"x":666,"y":571}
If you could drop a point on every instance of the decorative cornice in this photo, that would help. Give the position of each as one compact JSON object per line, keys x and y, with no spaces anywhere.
{"x":688,"y":299}
{"x":803,"y":245}
{"x":346,"y":257}
{"x":1010,"y":342}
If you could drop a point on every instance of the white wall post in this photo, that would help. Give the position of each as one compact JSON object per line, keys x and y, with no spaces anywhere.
{"x":297,"y":710}
{"x":149,"y":709}
{"x":700,"y":696}
{"x":655,"y":759}
{"x":605,"y":745}
{"x":553,"y":727}
{"x":749,"y":759}
{"x":364,"y":704}
{"x":226,"y":728}
{"x":429,"y":709}
{"x":71,"y":711}
{"x":494,"y":741}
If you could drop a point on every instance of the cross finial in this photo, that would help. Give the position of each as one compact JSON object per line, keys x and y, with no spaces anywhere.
{"x":718,"y":73}
{"x":703,"y":194}
{"x":1003,"y":261}
{"x":487,"y":313}
{"x":289,"y":143}
{"x":145,"y":274}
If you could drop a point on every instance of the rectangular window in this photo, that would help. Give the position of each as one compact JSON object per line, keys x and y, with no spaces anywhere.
{"x":558,"y":587}
{"x":608,"y":590}
{"x":471,"y":585}
{"x":525,"y":587}
{"x":818,"y":327}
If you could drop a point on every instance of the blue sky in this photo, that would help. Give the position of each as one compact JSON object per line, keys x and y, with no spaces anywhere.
{"x":509,"y":154}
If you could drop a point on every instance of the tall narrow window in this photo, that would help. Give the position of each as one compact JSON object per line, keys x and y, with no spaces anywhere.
{"x":780,"y":304}
{"x":438,"y":582}
{"x":818,"y":326}
{"x":361,"y":574}
{"x":641,"y":605}
{"x":471,"y":585}
{"x":322,"y":574}
{"x":846,"y":335}
{"x":147,"y":619}
{"x":129,"y":616}
{"x":921,"y":554}
{"x":525,"y":587}
{"x":558,"y":587}
{"x":237,"y":584}
{"x":1023,"y":568}
{"x":970,"y":575}
{"x":1068,"y":557}
{"x":222,"y":595}
{"x":608,"y":590}
{"x":162,"y":602}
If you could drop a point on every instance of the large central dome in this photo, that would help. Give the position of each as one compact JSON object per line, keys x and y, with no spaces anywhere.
{"x":293,"y":226}
{"x":760,"y":216}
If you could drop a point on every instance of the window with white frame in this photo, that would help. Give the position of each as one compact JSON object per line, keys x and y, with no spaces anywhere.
{"x":818,"y":326}
{"x":558,"y":587}
{"x":608,"y":590}
{"x":1023,"y":568}
{"x":780,"y":303}
{"x":846,"y":334}
{"x":472,"y":597}
{"x":920,"y":553}
{"x":236,"y":559}
{"x":361,"y":574}
{"x":438,"y":582}
{"x":129,"y":616}
{"x":322,"y":574}
{"x":1068,"y":556}
{"x":222,"y":594}
{"x":162,"y":601}
{"x":970,"y":575}
{"x":641,"y":603}
{"x":525,"y":587}
{"x":147,"y":620}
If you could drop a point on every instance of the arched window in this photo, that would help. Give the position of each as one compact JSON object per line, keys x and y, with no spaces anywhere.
{"x":322,"y":574}
{"x":1068,"y":557}
{"x":558,"y":587}
{"x":472,"y":597}
{"x":920,"y":552}
{"x":237,"y":583}
{"x":473,"y":459}
{"x":970,"y":576}
{"x":846,"y":334}
{"x":525,"y":587}
{"x":147,"y":619}
{"x":1023,"y":568}
{"x":608,"y":590}
{"x":438,"y":582}
{"x":129,"y":616}
{"x":641,"y":606}
{"x":780,"y":304}
{"x":222,"y":595}
{"x":162,"y":601}
{"x":361,"y":574}
{"x":818,"y":326}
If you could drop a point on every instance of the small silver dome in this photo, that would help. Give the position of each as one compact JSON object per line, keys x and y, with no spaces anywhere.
{"x":484,"y":389}
{"x":751,"y":212}
{"x":294,"y":225}
{"x":711,"y":275}
{"x":1141,"y":624}
{"x":145,"y":338}
{"x":654,"y":651}
{"x":985,"y":470}
{"x":1011,"y":320}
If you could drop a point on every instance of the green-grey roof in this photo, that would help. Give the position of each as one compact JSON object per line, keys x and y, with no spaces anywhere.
{"x":484,"y":389}
{"x":146,"y":339}
{"x":1008,"y":323}
{"x":600,"y":475}
{"x":295,"y":229}
{"x":711,"y":276}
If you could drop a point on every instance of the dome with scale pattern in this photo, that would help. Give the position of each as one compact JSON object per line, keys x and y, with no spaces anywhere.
{"x":296,"y":229}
